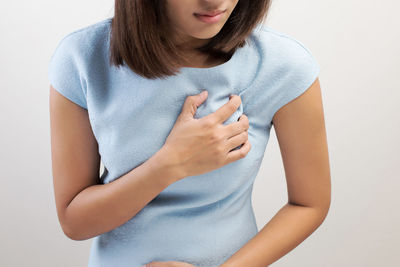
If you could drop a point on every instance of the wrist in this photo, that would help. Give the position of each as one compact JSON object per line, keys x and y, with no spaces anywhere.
{"x":170,"y":166}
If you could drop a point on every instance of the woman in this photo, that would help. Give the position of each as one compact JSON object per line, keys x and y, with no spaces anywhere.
{"x":177,"y":99}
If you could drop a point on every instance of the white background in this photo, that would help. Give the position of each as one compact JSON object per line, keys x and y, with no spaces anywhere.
{"x":357,"y":46}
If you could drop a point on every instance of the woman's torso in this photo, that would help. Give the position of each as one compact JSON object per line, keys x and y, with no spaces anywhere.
{"x":200,"y":219}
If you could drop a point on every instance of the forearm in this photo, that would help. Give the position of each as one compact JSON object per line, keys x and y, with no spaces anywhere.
{"x":103,"y":207}
{"x":287,"y":229}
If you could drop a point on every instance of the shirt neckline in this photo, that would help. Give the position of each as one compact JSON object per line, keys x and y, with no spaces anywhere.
{"x":226,"y":64}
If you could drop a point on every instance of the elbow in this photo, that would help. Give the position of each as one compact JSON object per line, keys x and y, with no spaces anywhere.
{"x":68,"y":231}
{"x":66,"y":225}
{"x":324,"y":214}
{"x":323,"y":209}
{"x":71,"y":230}
{"x":73,"y":234}
{"x":323,"y":206}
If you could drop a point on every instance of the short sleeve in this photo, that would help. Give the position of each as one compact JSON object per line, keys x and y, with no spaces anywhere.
{"x":299,"y":70}
{"x":64,"y":71}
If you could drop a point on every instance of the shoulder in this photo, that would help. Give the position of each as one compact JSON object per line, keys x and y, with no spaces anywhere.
{"x":89,"y":33}
{"x":75,"y":57}
{"x":282,"y":50}
{"x":83,"y":41}
{"x":286,"y":68}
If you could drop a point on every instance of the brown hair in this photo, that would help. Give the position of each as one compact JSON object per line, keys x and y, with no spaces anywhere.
{"x":139,"y":35}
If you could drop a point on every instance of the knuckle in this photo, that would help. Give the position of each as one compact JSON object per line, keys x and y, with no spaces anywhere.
{"x":245,"y":118}
{"x":208,"y":122}
{"x":243,"y":138}
{"x":215,"y":137}
{"x":245,"y":124}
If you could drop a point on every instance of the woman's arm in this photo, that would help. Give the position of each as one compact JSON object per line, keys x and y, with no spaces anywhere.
{"x":85,"y":207}
{"x":300,"y":130}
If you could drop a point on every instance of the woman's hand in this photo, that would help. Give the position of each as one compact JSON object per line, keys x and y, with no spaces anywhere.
{"x":168,"y":264}
{"x":201,"y":145}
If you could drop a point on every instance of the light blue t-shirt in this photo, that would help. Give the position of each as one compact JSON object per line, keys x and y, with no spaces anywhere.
{"x":202,"y":219}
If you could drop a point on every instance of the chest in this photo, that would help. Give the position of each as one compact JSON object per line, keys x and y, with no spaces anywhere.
{"x":132,"y":118}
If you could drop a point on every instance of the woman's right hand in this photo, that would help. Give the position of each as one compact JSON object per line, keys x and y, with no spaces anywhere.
{"x":201,"y":145}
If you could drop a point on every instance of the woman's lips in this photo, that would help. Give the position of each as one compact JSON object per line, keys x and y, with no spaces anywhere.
{"x":208,"y":18}
{"x":213,"y":13}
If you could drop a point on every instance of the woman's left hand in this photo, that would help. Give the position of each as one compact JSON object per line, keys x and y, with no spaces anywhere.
{"x":168,"y":264}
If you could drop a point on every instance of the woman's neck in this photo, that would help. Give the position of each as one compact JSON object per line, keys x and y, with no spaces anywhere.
{"x":198,"y":60}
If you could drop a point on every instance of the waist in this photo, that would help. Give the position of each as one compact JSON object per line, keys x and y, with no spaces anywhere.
{"x":205,"y":239}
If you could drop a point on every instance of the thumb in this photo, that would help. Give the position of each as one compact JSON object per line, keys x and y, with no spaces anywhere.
{"x":192,"y":102}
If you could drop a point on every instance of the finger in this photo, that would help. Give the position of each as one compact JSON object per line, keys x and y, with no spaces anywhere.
{"x":152,"y":264}
{"x":236,"y":141}
{"x":239,"y":153}
{"x":237,"y":127}
{"x":225,"y":111}
{"x":191,"y":104}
